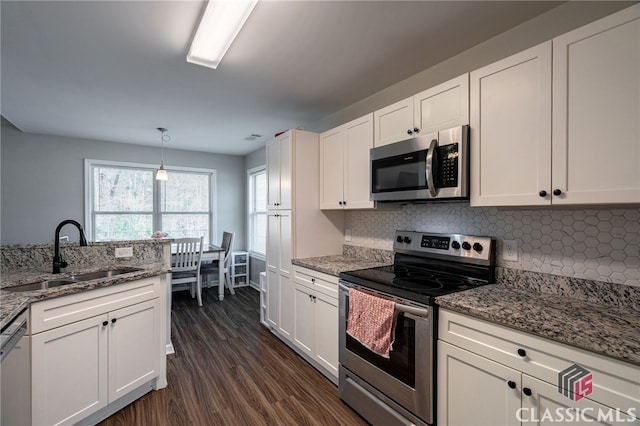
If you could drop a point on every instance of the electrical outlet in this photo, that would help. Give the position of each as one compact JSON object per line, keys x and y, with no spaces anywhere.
{"x":510,"y":250}
{"x":124,"y":252}
{"x":347,"y":234}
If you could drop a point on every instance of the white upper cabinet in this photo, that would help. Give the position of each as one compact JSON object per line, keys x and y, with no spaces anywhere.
{"x":344,"y":165}
{"x":573,"y":141}
{"x":441,"y":107}
{"x":596,"y":112}
{"x":279,"y":153}
{"x":332,"y":168}
{"x":511,"y":130}
{"x":394,"y":123}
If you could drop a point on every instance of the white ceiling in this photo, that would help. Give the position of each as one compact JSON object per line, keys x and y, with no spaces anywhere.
{"x":116,"y":70}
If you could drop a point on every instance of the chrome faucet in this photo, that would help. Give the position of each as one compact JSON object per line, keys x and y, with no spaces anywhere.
{"x":58,"y":261}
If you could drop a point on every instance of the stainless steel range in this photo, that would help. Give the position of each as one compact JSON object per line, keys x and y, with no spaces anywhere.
{"x":399,"y":390}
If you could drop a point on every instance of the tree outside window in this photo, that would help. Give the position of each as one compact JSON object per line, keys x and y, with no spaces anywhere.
{"x":125,"y":202}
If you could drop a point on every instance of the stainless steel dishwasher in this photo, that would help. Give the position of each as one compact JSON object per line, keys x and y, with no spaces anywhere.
{"x":15,"y":372}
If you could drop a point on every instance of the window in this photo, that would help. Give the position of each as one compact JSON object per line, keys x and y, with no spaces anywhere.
{"x":125,"y":202}
{"x":257,"y":178}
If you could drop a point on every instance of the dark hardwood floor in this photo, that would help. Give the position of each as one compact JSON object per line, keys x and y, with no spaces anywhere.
{"x":230,"y":370}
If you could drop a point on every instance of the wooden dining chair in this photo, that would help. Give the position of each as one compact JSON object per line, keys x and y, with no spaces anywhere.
{"x":185,"y":266}
{"x":212,"y":268}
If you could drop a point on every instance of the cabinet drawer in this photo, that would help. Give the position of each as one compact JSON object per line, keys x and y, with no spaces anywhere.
{"x":318,"y":281}
{"x":615,"y":383}
{"x":52,"y":313}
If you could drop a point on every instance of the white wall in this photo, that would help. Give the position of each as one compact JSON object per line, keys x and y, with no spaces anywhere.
{"x":42,"y":182}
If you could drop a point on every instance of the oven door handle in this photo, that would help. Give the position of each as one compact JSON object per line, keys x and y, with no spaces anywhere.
{"x":412,"y":310}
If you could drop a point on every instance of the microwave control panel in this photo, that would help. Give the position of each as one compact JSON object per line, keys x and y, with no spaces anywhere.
{"x":448,"y":166}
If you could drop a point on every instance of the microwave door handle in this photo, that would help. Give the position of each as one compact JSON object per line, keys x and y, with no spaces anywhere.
{"x":429,"y":170}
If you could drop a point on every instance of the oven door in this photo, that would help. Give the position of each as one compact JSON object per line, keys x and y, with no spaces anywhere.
{"x":407,"y":376}
{"x":404,"y":170}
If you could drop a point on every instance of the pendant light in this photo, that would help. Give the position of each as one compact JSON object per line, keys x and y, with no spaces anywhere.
{"x":161,"y":173}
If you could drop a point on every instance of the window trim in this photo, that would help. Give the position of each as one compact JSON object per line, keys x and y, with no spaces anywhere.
{"x":252,"y":252}
{"x":88,"y":191}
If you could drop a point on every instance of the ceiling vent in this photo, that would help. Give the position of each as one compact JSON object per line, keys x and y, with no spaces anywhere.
{"x":252,"y":137}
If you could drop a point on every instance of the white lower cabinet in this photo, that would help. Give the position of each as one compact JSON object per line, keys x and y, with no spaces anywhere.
{"x":133,"y":343}
{"x":316,"y":319}
{"x":69,"y":371}
{"x":493,"y":375}
{"x":286,"y":324}
{"x":473,"y":390}
{"x":110,"y":346}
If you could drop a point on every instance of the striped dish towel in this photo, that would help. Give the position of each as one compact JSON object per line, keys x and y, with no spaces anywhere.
{"x":372,"y":321}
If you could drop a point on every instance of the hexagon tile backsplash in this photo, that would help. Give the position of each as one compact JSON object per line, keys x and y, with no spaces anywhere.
{"x":595,"y":244}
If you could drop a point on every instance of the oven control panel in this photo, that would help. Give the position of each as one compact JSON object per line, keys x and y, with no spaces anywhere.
{"x":454,"y":246}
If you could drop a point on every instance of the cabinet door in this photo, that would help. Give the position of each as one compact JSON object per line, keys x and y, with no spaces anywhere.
{"x":273,"y":173}
{"x":392,"y":123}
{"x":285,"y":141}
{"x":326,"y":332}
{"x":546,"y":406}
{"x":443,"y":106}
{"x":134,"y":347}
{"x":358,"y":142}
{"x":511,"y":130}
{"x":69,"y":372}
{"x":475,"y":391}
{"x":596,"y":111}
{"x":304,"y":319}
{"x":285,"y":242}
{"x":331,"y":168}
{"x":273,"y":298}
{"x":273,"y":241}
{"x":287,"y":307}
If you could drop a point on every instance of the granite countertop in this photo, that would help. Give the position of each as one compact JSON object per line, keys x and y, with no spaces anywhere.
{"x":597,"y":327}
{"x":12,"y":303}
{"x":594,"y":316}
{"x":333,"y":265}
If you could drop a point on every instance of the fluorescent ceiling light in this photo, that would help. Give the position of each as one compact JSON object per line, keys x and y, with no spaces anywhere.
{"x":219,"y":26}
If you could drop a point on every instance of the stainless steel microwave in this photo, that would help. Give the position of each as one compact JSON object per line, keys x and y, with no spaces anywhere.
{"x":425,"y":168}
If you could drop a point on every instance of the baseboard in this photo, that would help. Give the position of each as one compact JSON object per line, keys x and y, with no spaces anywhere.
{"x":254,"y":285}
{"x":117,"y":405}
{"x":170,"y":349}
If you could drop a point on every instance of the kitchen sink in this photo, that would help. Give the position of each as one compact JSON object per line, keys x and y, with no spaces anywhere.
{"x":102,"y":274}
{"x":43,"y":285}
{"x":73,"y":279}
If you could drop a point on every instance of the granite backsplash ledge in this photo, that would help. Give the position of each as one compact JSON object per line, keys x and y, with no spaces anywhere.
{"x":39,"y":257}
{"x":367,"y":253}
{"x":575,"y":289}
